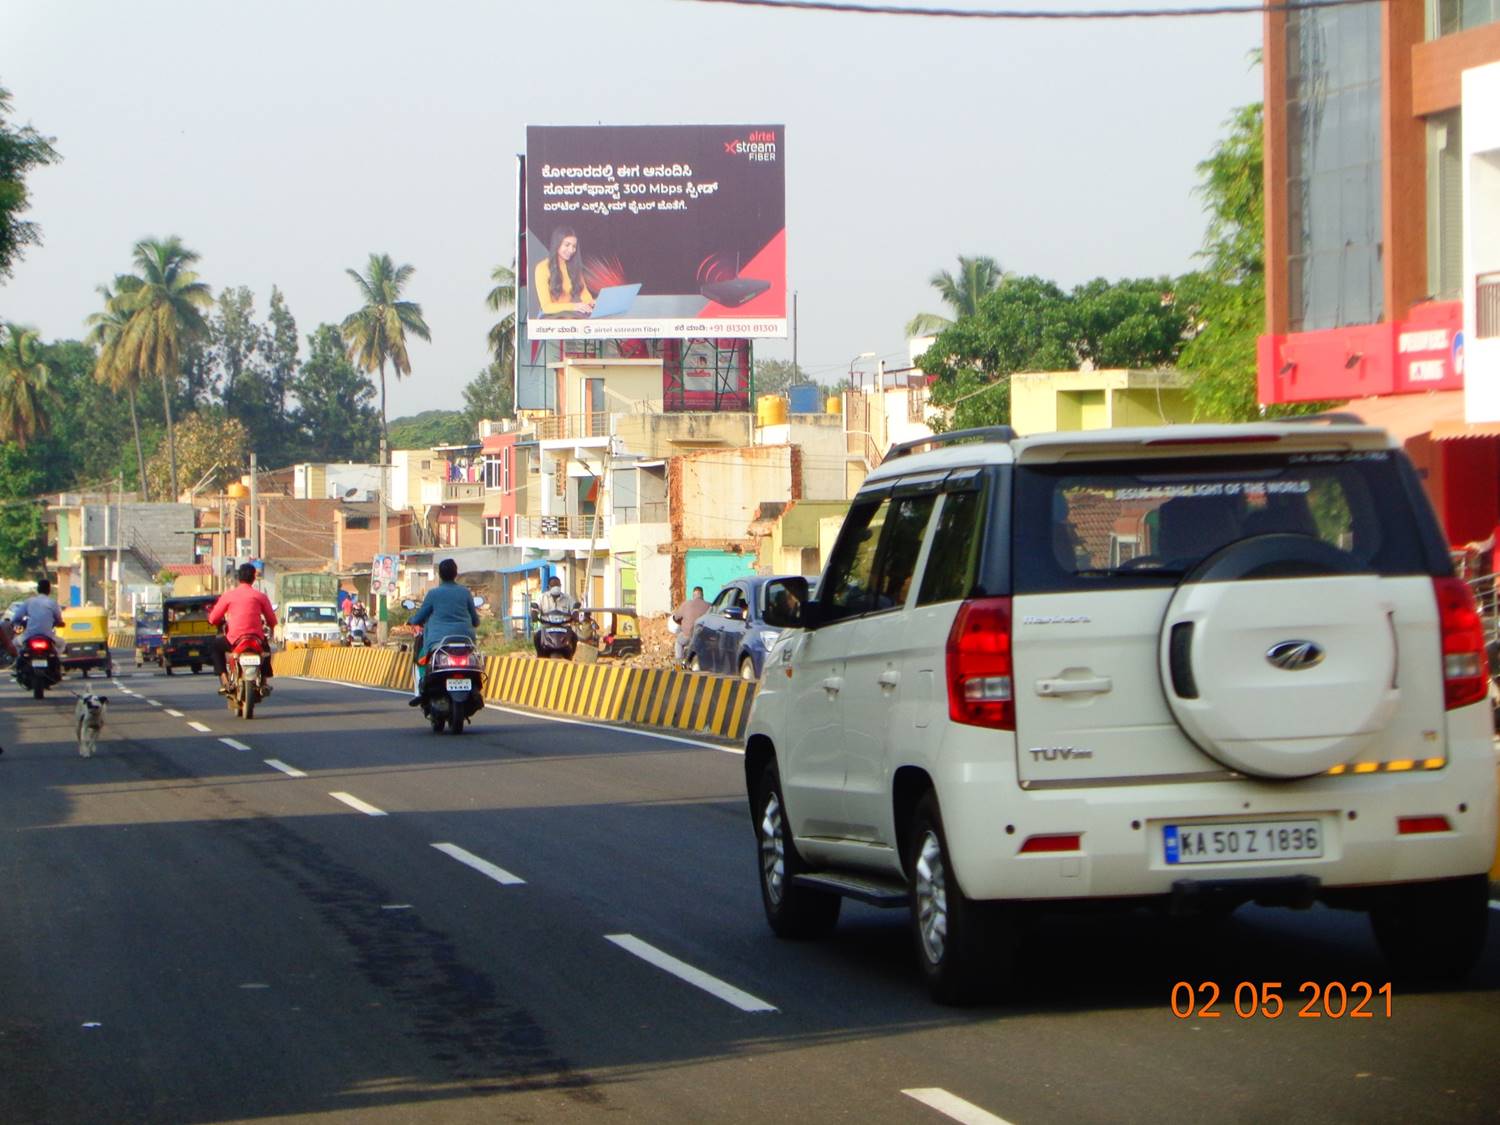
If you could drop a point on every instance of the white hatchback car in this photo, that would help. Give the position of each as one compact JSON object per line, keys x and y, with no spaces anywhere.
{"x":1191,"y":667}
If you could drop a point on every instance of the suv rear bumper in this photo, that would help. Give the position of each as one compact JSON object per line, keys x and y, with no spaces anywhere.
{"x":988,"y":818}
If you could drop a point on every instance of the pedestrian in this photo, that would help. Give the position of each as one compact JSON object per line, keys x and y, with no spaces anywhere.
{"x":686,"y":617}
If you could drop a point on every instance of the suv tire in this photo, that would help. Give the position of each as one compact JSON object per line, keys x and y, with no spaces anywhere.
{"x":966,"y":948}
{"x":1433,"y":933}
{"x":793,"y":912}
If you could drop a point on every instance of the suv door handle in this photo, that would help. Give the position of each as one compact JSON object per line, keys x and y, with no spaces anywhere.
{"x":832,"y":685}
{"x":889,"y":678}
{"x":1096,"y":686}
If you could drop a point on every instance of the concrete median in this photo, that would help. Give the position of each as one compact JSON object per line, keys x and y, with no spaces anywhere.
{"x":668,"y":698}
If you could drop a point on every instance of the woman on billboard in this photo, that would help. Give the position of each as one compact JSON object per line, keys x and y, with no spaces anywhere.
{"x":559,"y":277}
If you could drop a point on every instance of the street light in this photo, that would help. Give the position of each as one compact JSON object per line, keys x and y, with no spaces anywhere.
{"x":856,"y":359}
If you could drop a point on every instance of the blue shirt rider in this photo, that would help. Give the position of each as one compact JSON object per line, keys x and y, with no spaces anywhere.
{"x":446,"y":611}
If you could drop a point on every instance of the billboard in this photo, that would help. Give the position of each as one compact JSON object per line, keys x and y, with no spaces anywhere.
{"x":655,"y":231}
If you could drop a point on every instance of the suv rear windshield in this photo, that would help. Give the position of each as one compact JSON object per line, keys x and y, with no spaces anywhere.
{"x":1082,"y":525}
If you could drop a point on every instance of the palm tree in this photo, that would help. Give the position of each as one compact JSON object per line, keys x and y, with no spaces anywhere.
{"x":25,"y":386}
{"x":502,"y":299}
{"x":977,"y":277}
{"x":107,"y":333}
{"x":375,"y":334}
{"x":164,"y":312}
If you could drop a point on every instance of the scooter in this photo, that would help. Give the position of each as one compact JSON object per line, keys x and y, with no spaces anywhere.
{"x":246,"y":672}
{"x":555,"y":635}
{"x":357,"y":632}
{"x":38,"y":666}
{"x":453,"y":690}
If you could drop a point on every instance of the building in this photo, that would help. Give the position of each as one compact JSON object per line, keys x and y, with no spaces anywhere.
{"x":1382,"y":184}
{"x":1044,"y":401}
{"x":98,"y":541}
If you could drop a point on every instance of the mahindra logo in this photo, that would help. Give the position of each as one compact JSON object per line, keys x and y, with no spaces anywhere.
{"x":1294,"y":656}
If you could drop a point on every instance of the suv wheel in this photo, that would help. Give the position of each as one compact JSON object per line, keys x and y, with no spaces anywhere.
{"x":1433,"y":933}
{"x":965,"y":948}
{"x":793,"y":912}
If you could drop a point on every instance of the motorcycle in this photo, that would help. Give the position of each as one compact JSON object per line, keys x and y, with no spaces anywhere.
{"x":246,"y":672}
{"x":453,"y":690}
{"x":38,"y":666}
{"x":555,"y":633}
{"x":357,"y":632}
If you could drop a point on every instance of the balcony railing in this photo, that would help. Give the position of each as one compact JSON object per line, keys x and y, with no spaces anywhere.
{"x":1487,"y":306}
{"x":561,"y":527}
{"x":459,"y":491}
{"x":653,"y":511}
{"x":556,"y":426}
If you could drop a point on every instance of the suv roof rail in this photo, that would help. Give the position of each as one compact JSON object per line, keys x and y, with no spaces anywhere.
{"x":1337,"y":417}
{"x":986,"y":433}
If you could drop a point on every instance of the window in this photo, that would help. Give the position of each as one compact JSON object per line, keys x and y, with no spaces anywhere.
{"x":1447,"y":17}
{"x":724,"y":600}
{"x":493,"y":531}
{"x":505,"y":530}
{"x":1445,"y":206}
{"x":505,"y":456}
{"x":954,"y":557}
{"x":900,"y":545}
{"x":491,"y":471}
{"x":851,"y":574}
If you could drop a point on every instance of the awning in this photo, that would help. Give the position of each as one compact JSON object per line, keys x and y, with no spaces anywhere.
{"x":1456,"y":431}
{"x":521,"y":568}
{"x":1407,"y":416}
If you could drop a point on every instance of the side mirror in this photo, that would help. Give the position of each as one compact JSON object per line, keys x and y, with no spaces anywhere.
{"x":786,"y":599}
{"x":479,"y":601}
{"x":735,"y":613}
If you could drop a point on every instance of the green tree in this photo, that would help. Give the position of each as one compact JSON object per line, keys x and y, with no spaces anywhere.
{"x":1024,"y":325}
{"x":112,"y":367}
{"x":23,"y":533}
{"x":21,"y":149}
{"x":490,"y":394}
{"x":773,"y":376}
{"x":335,"y":413}
{"x":502,"y":299}
{"x":375,"y":333}
{"x":204,"y":439}
{"x":429,"y":428}
{"x":89,"y":443}
{"x":280,"y":348}
{"x":164,"y":311}
{"x":1131,"y":323}
{"x":962,"y":293}
{"x":233,"y":340}
{"x":25,"y":386}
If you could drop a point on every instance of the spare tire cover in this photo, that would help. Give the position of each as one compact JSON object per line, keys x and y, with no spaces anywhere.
{"x":1279,"y":677}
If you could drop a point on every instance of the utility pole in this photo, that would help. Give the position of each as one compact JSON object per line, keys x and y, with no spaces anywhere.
{"x":588,"y":566}
{"x":382,"y":628}
{"x":794,"y":334}
{"x":119,"y":547}
{"x":254,"y":509}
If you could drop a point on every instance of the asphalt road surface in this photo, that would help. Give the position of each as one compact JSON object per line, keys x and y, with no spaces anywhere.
{"x":331,"y":913}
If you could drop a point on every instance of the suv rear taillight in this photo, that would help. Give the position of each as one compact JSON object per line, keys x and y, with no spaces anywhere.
{"x":980,"y":676}
{"x":1464,"y":672}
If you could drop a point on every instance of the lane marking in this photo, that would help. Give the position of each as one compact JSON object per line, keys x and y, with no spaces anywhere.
{"x":355,"y":803}
{"x":174,"y":714}
{"x":278,"y":764}
{"x":197,"y":726}
{"x":683,"y":971}
{"x":483,"y":866}
{"x":234,"y":744}
{"x":154,"y":702}
{"x":396,"y":906}
{"x":950,"y":1105}
{"x":545,"y":718}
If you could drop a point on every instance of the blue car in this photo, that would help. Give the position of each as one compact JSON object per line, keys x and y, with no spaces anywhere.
{"x":732,"y":638}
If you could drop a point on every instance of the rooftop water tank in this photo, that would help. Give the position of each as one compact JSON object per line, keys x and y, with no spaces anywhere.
{"x":806,"y":398}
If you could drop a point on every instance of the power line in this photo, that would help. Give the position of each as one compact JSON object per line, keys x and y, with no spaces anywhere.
{"x":1039,"y":14}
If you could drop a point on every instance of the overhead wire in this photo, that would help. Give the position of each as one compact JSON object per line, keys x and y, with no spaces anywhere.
{"x":1038,"y":14}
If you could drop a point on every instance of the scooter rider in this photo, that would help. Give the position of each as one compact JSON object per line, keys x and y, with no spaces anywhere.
{"x":446,"y":611}
{"x":41,"y":615}
{"x":554,"y":600}
{"x":242,"y":609}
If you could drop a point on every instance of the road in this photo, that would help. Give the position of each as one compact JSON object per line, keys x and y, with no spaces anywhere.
{"x":196,"y":932}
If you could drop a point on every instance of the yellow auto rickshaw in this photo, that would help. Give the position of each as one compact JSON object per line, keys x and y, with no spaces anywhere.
{"x":185,"y":632}
{"x":85,"y":636}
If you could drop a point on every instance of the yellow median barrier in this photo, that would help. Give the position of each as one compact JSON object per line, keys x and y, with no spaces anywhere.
{"x":692,"y":702}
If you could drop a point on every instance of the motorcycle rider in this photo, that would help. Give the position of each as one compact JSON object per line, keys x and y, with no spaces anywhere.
{"x":447,"y":610}
{"x":554,"y":600}
{"x":41,"y":615}
{"x":242,"y":609}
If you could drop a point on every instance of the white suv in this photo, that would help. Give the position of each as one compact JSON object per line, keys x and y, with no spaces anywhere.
{"x":1193,"y":667}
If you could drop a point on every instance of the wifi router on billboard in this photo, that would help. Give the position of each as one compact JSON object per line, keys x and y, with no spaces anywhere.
{"x":655,"y":231}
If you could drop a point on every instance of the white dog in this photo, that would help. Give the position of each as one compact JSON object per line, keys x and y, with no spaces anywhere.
{"x":88,"y":712}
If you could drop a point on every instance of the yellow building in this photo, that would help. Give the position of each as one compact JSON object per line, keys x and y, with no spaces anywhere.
{"x":1044,"y":401}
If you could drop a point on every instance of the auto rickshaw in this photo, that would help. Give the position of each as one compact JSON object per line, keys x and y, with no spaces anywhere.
{"x":616,"y":630}
{"x":85,"y":636}
{"x":148,"y":637}
{"x":185,"y":632}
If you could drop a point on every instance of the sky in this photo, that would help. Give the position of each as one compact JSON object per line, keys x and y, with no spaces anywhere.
{"x":286,"y":141}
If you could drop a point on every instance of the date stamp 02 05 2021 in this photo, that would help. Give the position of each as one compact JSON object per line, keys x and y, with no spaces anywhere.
{"x":1358,"y":1000}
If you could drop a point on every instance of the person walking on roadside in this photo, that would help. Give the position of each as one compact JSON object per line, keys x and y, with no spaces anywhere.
{"x":686,"y":617}
{"x":446,"y":611}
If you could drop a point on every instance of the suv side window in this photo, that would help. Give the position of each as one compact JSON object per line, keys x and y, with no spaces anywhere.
{"x":724,"y":600}
{"x":851,"y":572}
{"x":955,"y":550}
{"x":900,"y":546}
